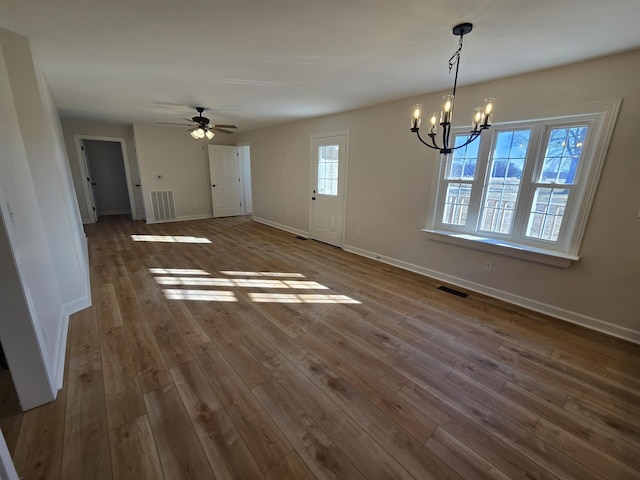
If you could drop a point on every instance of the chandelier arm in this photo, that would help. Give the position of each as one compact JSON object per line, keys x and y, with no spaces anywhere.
{"x":430,"y":145}
{"x":472,"y":137}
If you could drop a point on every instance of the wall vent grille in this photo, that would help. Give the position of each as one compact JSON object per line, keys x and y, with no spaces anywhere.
{"x":164,"y":207}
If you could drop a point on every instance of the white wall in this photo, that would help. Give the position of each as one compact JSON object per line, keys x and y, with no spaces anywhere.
{"x":45,"y":270}
{"x":390,"y":176}
{"x":181,"y":162}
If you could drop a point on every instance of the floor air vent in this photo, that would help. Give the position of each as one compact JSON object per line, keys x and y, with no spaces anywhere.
{"x":453,"y":292}
{"x":164,"y":207}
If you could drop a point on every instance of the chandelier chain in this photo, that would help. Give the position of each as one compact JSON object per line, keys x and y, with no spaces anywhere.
{"x":455,"y":58}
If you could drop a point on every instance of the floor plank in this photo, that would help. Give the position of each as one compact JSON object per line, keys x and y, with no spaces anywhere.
{"x":133,"y":451}
{"x":179,"y":448}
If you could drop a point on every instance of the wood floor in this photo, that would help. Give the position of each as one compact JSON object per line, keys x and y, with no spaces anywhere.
{"x":259,"y":355}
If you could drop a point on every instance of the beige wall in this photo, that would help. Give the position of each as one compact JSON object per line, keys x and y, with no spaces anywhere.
{"x":183,"y":164}
{"x":390,"y":176}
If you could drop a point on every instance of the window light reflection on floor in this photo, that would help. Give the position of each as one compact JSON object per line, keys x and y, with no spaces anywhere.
{"x":178,"y":271}
{"x":232,"y":273}
{"x":169,"y":239}
{"x":201,"y":295}
{"x":205,"y":285}
{"x":300,"y":298}
{"x":239,"y":282}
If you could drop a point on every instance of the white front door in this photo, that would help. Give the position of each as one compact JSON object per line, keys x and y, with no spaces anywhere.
{"x":226,"y":190}
{"x":328,"y":167}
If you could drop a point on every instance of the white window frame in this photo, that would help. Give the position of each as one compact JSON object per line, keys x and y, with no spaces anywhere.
{"x":600,"y":118}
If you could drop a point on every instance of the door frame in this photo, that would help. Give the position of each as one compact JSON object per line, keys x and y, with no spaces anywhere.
{"x":211,"y":156}
{"x":243,"y":179}
{"x":78,"y":138}
{"x":318,"y":136}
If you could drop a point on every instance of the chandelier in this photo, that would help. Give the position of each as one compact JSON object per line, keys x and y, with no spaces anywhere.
{"x":481,"y":119}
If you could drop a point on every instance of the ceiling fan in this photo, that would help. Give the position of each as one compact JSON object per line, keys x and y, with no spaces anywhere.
{"x":201,"y":126}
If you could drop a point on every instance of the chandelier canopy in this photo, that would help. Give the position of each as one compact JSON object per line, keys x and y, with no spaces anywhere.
{"x":481,"y":119}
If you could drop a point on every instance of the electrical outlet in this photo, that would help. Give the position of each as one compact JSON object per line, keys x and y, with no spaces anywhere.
{"x":488,"y":266}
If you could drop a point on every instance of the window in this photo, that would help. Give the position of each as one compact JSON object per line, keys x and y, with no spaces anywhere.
{"x":524,"y":186}
{"x":328,"y":161}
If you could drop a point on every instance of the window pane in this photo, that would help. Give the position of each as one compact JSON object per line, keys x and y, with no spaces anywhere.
{"x":501,"y":191}
{"x":461,"y":164}
{"x":328,"y":157}
{"x":563,"y":154}
{"x":547,"y":212}
{"x":456,"y":204}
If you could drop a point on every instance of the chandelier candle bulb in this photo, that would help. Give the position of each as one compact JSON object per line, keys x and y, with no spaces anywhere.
{"x":477,"y":119}
{"x":447,"y":108}
{"x":416,"y":116}
{"x":434,"y":123}
{"x":488,"y":111}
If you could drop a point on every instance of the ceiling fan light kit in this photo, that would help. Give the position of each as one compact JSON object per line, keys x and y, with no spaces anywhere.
{"x":199,"y":132}
{"x":480,"y":121}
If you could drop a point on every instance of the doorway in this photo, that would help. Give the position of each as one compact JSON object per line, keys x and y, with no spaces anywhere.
{"x":230,"y":175}
{"x":329,"y":153}
{"x":108,"y":188}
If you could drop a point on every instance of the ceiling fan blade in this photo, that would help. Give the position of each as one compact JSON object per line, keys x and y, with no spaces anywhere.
{"x":224,"y":126}
{"x":171,"y":123}
{"x":221,"y":130}
{"x":188,"y":119}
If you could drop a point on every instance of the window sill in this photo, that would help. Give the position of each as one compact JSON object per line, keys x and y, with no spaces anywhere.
{"x":493,"y":245}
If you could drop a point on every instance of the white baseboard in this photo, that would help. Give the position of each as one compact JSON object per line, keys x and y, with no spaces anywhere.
{"x":280,"y":226}
{"x":114,"y":212}
{"x":62,"y":350}
{"x":69,"y":309}
{"x":201,"y":216}
{"x":531,"y":304}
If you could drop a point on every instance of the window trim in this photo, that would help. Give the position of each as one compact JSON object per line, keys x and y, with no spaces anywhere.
{"x":601,"y":117}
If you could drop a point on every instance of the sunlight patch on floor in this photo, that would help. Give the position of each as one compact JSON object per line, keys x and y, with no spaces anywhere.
{"x":200,"y":295}
{"x":169,"y":239}
{"x":178,"y":271}
{"x":205,"y":286}
{"x":300,"y":298}
{"x":232,"y":273}
{"x":239,"y":282}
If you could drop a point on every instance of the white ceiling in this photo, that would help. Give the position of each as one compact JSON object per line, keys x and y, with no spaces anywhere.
{"x":261,"y":62}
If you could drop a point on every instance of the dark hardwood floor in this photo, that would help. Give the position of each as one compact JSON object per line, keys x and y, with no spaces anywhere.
{"x":227,"y":349}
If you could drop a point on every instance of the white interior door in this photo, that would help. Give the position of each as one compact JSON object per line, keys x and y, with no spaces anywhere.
{"x":328,"y":158}
{"x":226,"y":189}
{"x":90,"y":184}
